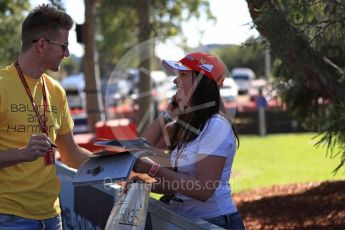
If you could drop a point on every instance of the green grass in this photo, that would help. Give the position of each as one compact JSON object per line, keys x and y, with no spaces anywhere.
{"x":280,"y":159}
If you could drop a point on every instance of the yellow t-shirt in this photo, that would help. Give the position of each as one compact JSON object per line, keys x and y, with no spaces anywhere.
{"x":29,"y":189}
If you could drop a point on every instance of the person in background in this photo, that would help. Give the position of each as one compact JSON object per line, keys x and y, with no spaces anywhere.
{"x":195,"y":176}
{"x":34,"y":120}
{"x":261,"y":104}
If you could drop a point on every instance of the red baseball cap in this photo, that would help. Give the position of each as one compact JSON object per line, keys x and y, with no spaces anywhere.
{"x":204,"y":63}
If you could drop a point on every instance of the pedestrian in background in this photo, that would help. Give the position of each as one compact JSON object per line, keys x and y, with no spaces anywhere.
{"x":261,"y":104}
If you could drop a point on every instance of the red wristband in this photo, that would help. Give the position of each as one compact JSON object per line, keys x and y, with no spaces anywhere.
{"x":153,"y":170}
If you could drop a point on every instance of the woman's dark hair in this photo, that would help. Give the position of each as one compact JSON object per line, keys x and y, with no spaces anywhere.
{"x":205,"y":102}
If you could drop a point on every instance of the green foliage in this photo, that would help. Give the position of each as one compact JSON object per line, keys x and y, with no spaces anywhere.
{"x":308,"y":105}
{"x":115,"y":40}
{"x":321,"y":23}
{"x":119,"y":25}
{"x":250,"y":55}
{"x":169,"y":15}
{"x":334,"y":136}
{"x":11,"y":18}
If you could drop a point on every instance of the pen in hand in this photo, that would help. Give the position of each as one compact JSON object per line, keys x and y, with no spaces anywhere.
{"x":51,"y":145}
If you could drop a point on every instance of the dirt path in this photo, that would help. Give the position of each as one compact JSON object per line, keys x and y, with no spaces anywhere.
{"x":297,"y":206}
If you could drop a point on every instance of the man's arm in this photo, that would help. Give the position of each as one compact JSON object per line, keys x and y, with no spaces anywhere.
{"x":10,"y":157}
{"x":71,"y":154}
{"x":37,"y":147}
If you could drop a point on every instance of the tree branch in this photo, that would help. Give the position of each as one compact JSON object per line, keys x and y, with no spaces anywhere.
{"x":293,"y":48}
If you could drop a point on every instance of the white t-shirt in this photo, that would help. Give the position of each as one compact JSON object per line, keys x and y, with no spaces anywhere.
{"x":215,"y":139}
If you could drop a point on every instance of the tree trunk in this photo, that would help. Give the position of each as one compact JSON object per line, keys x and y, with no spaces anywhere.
{"x":95,"y":108}
{"x":316,"y":70}
{"x":145,"y":54}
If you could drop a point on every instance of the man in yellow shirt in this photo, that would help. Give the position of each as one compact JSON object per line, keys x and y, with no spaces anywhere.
{"x":34,"y":118}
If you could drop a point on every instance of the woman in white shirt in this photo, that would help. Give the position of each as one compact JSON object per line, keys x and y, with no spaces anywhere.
{"x":195,"y":176}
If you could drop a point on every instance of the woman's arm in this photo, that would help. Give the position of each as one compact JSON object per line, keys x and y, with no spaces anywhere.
{"x":160,"y":131}
{"x":156,"y":133}
{"x":201,"y":187}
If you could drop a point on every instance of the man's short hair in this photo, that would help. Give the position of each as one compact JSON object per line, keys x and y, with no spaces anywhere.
{"x":44,"y":21}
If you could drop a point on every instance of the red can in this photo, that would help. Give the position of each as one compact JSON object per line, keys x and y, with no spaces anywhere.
{"x":49,"y":158}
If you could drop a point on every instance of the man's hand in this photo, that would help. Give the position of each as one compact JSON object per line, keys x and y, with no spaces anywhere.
{"x":37,"y":147}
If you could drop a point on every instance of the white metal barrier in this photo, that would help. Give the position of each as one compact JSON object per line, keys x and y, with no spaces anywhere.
{"x":88,"y":207}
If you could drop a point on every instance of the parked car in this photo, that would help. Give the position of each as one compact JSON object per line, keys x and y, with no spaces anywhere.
{"x":74,"y":86}
{"x":159,"y":87}
{"x":229,"y":90}
{"x":110,"y":92}
{"x":243,"y":78}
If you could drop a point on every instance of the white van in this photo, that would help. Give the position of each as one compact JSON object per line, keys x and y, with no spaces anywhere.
{"x":243,"y":78}
{"x":74,"y":86}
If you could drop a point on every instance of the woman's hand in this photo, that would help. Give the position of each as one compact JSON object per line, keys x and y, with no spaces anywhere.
{"x":173,"y":108}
